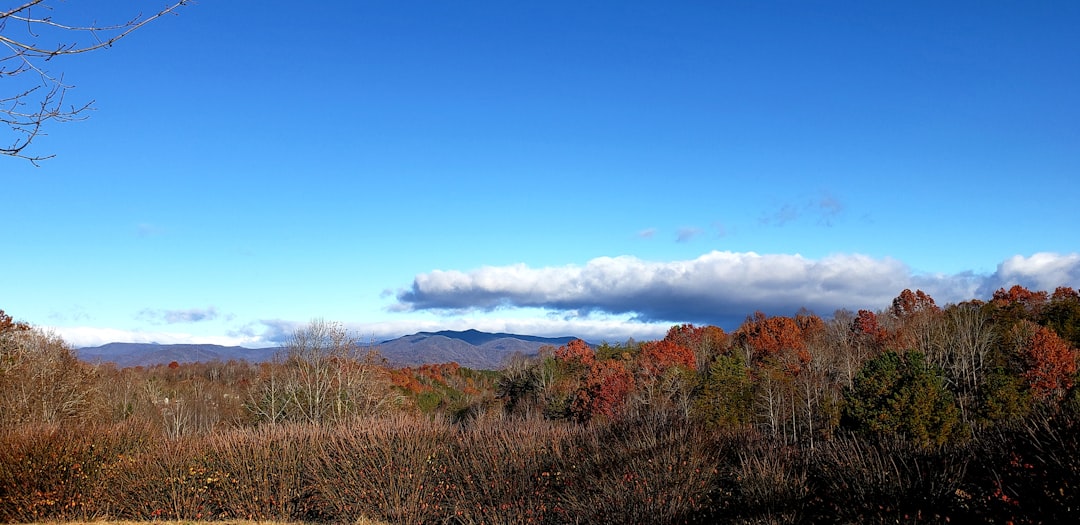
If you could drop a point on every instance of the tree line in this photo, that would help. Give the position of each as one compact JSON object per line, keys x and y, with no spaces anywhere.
{"x":912,"y":412}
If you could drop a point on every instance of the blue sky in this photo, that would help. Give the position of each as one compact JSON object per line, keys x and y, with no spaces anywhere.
{"x":598,"y":169}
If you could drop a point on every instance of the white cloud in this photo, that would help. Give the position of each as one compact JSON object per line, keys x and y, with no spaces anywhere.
{"x":717,"y":287}
{"x":615,"y":298}
{"x":1041,"y":271}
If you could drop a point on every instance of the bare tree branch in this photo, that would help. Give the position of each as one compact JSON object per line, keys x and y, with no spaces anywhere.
{"x":40,"y":97}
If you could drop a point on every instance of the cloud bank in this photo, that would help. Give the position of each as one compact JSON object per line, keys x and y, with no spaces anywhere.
{"x":615,"y":298}
{"x":718,"y":287}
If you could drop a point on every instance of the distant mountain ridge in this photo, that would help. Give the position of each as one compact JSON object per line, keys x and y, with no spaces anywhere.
{"x":469,"y":348}
{"x":478,"y":338}
{"x":149,"y":354}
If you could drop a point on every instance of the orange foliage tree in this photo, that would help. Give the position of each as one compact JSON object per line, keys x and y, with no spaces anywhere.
{"x":601,"y":385}
{"x":658,"y":356}
{"x":1018,"y":303}
{"x":915,"y":319}
{"x":603,"y":392}
{"x":1050,"y":364}
{"x":706,"y":342}
{"x":576,"y":353}
{"x":772,"y":336}
{"x":909,"y":303}
{"x":9,"y":325}
{"x":869,"y":331}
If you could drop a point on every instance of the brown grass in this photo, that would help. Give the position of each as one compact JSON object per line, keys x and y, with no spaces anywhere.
{"x":361,"y":521}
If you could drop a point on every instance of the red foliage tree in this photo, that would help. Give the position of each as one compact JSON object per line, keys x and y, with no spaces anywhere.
{"x":9,"y":325}
{"x":867,"y":329}
{"x":1018,"y":303}
{"x":658,"y":356}
{"x":910,"y":303}
{"x":1050,"y":364}
{"x":1019,"y":294}
{"x":1065,"y":293}
{"x":866,"y":323}
{"x":576,"y":352}
{"x":404,"y":378}
{"x":706,"y":342}
{"x":603,"y":392}
{"x":809,"y":323}
{"x":694,"y":337}
{"x":914,"y":316}
{"x":769,"y":336}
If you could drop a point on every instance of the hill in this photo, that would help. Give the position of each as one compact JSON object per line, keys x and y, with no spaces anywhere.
{"x":150,"y":354}
{"x":469,"y":348}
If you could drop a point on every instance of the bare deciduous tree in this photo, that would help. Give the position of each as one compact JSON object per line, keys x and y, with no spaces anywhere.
{"x":32,"y":35}
{"x":42,"y":380}
{"x":326,"y":376}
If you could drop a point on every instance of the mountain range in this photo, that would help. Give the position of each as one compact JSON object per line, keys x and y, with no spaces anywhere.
{"x":469,"y":348}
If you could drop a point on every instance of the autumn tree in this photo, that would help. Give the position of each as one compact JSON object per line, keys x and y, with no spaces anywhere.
{"x":659,"y":356}
{"x":591,"y":388}
{"x":562,"y":372}
{"x":869,"y":332}
{"x":666,"y":377}
{"x":1017,"y":304}
{"x":916,"y":325}
{"x":786,"y":382}
{"x":576,"y":353}
{"x":706,"y":342}
{"x":8,"y":325}
{"x":1050,"y":364}
{"x":603,"y":391}
{"x":761,"y":336}
{"x":37,"y":34}
{"x":42,"y":380}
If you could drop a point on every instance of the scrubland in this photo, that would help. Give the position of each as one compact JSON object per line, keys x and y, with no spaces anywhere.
{"x":914,"y":413}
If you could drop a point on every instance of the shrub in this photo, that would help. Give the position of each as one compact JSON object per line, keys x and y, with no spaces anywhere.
{"x":855,"y":480}
{"x":504,"y":472}
{"x":641,"y":471}
{"x":385,"y":469}
{"x":51,"y":472}
{"x":770,"y":482}
{"x":1029,"y":471}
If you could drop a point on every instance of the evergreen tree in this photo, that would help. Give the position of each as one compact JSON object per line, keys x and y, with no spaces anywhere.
{"x":901,"y":394}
